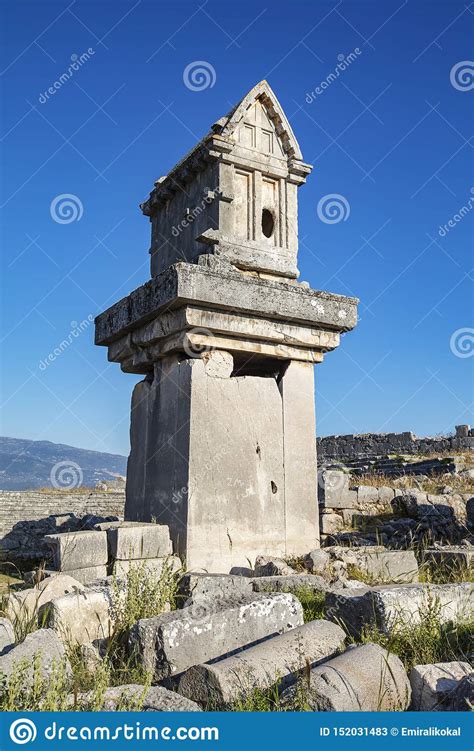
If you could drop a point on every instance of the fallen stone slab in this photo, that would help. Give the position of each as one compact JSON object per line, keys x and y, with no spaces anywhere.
{"x":150,"y":566}
{"x":399,"y":605}
{"x":42,"y":647}
{"x":362,"y":679}
{"x":281,"y":658}
{"x":78,"y":550}
{"x":170,"y":643}
{"x":133,"y":697}
{"x":82,"y":617}
{"x":293,"y":584}
{"x":136,"y":540}
{"x":208,"y":586}
{"x":25,"y":604}
{"x":433,"y":686}
{"x":7,"y":634}
{"x":265,"y":566}
{"x":330,"y":523}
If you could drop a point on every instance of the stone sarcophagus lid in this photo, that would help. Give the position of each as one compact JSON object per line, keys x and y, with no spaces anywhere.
{"x":223,"y":444}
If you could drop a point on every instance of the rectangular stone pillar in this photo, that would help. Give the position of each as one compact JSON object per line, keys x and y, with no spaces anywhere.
{"x":299,"y":458}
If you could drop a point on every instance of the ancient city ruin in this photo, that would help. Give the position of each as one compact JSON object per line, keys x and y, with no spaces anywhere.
{"x":223,"y":426}
{"x":236,"y":574}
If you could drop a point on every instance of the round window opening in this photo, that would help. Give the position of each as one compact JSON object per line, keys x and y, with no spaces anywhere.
{"x":268,"y":223}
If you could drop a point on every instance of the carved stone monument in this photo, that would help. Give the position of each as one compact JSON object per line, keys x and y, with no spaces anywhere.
{"x":223,"y":444}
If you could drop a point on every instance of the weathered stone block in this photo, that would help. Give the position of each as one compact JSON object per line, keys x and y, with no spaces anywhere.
{"x":265,"y":566}
{"x":46,"y":645}
{"x":293,"y":584}
{"x":331,"y":524}
{"x":76,"y":550}
{"x":388,"y":565}
{"x":81,"y":618}
{"x":450,"y":557}
{"x":367,"y":494}
{"x":7,"y":634}
{"x":135,"y":541}
{"x":281,"y":658}
{"x":173,"y":642}
{"x":399,"y":605}
{"x":26,"y":603}
{"x":318,"y":562}
{"x":89,"y":575}
{"x":333,"y":489}
{"x":433,"y":686}
{"x":132,"y":697}
{"x":212,"y":586}
{"x":363,"y":679}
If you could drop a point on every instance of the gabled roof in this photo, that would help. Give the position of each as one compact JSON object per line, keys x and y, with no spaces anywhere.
{"x":263,"y":92}
{"x":223,"y":130}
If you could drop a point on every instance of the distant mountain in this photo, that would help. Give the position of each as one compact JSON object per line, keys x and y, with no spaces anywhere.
{"x":25,"y":465}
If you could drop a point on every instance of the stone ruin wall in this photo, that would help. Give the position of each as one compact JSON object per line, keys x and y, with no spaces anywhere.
{"x":32,"y":505}
{"x":348,"y":447}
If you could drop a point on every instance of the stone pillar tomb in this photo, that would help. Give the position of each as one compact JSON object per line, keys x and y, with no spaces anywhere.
{"x":223,"y":436}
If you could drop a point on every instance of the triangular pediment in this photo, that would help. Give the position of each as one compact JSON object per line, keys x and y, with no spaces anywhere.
{"x":258,"y":122}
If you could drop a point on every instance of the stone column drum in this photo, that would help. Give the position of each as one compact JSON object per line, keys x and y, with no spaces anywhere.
{"x":223,"y":436}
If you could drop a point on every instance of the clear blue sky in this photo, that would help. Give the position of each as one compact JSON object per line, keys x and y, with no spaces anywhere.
{"x":391,"y":135}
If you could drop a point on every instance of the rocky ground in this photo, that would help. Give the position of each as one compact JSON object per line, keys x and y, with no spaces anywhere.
{"x":379,"y":618}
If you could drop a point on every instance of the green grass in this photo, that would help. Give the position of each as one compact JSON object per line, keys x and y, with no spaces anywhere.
{"x":426,"y":642}
{"x":313,"y":603}
{"x":445,"y":573}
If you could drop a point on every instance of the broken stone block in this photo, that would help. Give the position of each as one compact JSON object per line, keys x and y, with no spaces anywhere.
{"x":293,"y":584}
{"x":7,"y":634}
{"x":318,"y":561}
{"x":331,"y":524}
{"x":388,"y":565}
{"x":51,"y":655}
{"x":168,"y":644}
{"x":25,"y":604}
{"x":211,"y":586}
{"x":135,"y":541}
{"x":81,"y":618}
{"x":133,"y":697}
{"x":78,"y":550}
{"x":265,"y":566}
{"x":433,"y":686}
{"x":150,"y":566}
{"x":362,"y":679}
{"x":399,"y":605}
{"x":281,"y":658}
